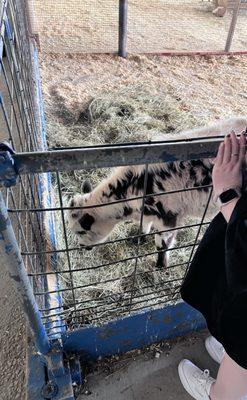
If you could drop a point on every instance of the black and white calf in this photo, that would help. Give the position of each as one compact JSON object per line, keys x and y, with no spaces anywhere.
{"x":161,"y":212}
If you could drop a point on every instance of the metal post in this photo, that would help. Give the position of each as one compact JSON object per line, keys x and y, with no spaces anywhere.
{"x":11,"y":261}
{"x":123,"y":23}
{"x":232,"y":26}
{"x":32,"y":21}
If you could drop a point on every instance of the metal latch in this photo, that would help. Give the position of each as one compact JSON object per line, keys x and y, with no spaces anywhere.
{"x":8,"y":171}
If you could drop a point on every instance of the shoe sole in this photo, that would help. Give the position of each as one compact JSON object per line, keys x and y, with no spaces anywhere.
{"x":184,"y":381}
{"x":211,"y":352}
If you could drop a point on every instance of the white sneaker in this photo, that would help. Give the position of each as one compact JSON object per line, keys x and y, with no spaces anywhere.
{"x":195,"y":381}
{"x":215,"y":349}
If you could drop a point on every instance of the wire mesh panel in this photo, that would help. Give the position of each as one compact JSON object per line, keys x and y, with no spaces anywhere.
{"x":141,"y":222}
{"x":129,"y":271}
{"x":123,"y":247}
{"x":180,"y":25}
{"x":21,"y":127}
{"x":89,"y":26}
{"x":152,"y":27}
{"x":125,"y":244}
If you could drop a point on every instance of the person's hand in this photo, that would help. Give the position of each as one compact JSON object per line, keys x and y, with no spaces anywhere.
{"x":227,"y":171}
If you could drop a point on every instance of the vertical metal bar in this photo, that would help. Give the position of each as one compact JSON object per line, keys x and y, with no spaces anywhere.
{"x":123,"y":24}
{"x":66,"y":241}
{"x":12,"y":262}
{"x":232,"y":26}
{"x":139,"y":234}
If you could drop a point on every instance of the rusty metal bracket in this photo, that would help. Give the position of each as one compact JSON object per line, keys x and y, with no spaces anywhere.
{"x":53,"y":377}
{"x":8,"y":171}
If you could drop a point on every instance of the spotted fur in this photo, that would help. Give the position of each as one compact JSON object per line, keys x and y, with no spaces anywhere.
{"x":161,"y":211}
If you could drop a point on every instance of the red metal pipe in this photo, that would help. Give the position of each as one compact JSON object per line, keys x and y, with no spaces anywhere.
{"x":198,"y":53}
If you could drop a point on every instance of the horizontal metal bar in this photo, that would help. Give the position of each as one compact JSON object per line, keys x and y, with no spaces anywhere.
{"x":128,"y":238}
{"x":20,"y":210}
{"x":113,"y":155}
{"x":124,"y":260}
{"x":122,"y":314}
{"x":116,"y":262}
{"x":44,"y":310}
{"x":101,"y":299}
{"x":219,"y":53}
{"x":123,"y":306}
{"x":89,"y":285}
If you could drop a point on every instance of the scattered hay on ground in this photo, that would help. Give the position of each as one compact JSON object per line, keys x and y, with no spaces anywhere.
{"x":125,"y":116}
{"x":105,"y":99}
{"x":128,"y":115}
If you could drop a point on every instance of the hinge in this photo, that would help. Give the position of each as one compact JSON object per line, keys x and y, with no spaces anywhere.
{"x":8,"y":171}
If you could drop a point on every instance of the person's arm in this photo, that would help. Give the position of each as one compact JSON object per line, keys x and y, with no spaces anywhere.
{"x":227,"y":171}
{"x":228,"y":209}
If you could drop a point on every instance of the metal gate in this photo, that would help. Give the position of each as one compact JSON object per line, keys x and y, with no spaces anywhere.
{"x":66,"y":327}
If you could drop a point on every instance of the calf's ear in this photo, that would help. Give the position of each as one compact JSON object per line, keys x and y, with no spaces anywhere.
{"x":86,"y":186}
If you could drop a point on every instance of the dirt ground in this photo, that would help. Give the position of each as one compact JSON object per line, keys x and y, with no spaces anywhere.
{"x":91,"y":26}
{"x":12,"y":344}
{"x":142,"y":375}
{"x":208,"y":88}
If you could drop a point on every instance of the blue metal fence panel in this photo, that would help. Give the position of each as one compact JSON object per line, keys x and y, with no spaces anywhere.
{"x":134,"y":331}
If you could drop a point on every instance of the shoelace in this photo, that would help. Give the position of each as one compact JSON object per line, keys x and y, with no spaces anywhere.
{"x":202,"y":377}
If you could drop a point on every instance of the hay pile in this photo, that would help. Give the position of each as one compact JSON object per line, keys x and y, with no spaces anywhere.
{"x":126,"y":116}
{"x":131,"y":114}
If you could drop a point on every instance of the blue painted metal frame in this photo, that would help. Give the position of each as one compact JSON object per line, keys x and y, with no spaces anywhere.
{"x":49,"y":378}
{"x":54,"y":368}
{"x":133,"y":331}
{"x":115,"y":337}
{"x":45,"y":184}
{"x":12,"y":262}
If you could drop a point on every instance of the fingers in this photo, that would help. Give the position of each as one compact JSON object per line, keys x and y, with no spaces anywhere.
{"x":242,"y":148}
{"x":228,"y":150}
{"x":232,"y":150}
{"x":235,"y":148}
{"x":220,"y":156}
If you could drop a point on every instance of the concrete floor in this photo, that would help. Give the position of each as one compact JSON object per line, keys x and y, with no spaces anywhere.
{"x":150,"y":378}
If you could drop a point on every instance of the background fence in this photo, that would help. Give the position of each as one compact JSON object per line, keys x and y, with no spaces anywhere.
{"x":68,"y":294}
{"x":152,"y":27}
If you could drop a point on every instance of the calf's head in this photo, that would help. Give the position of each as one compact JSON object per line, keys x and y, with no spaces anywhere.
{"x":91,"y":225}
